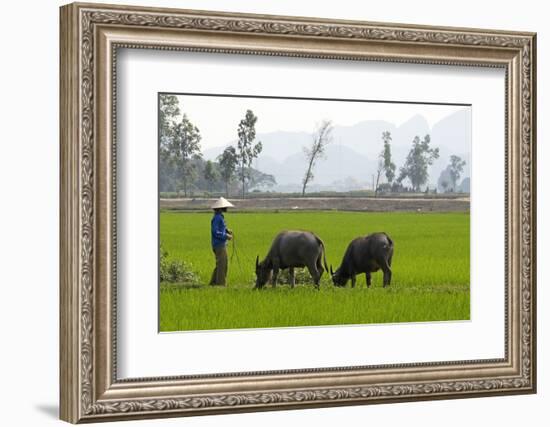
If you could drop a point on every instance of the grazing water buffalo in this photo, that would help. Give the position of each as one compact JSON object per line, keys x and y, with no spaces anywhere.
{"x":291,"y":249}
{"x":365,"y":255}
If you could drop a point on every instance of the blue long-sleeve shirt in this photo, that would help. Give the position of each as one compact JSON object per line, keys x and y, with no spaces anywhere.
{"x":219,"y":230}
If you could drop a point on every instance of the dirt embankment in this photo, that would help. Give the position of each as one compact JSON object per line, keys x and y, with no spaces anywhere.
{"x":363,"y":204}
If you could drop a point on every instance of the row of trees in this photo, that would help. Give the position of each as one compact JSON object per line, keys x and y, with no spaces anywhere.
{"x":181,"y":161}
{"x":415,"y":168}
{"x":420,"y":156}
{"x":448,"y":180}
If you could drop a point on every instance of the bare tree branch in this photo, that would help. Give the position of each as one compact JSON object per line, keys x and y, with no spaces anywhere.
{"x":321,"y":138}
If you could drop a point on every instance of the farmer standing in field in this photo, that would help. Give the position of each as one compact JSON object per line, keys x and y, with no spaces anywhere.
{"x":220,"y":235}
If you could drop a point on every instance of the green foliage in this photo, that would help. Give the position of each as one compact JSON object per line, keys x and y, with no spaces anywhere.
{"x":456,"y":168}
{"x":260,"y":180}
{"x":301,"y":277}
{"x":175,"y":271}
{"x":179,"y":144}
{"x":448,"y":179}
{"x":416,"y":165}
{"x":246,"y":149}
{"x":168,"y":195}
{"x":385,"y":187}
{"x":388,"y":165}
{"x":169,"y":109}
{"x":185,"y":143}
{"x":228,"y":163}
{"x":210,"y":174}
{"x":431,"y":271}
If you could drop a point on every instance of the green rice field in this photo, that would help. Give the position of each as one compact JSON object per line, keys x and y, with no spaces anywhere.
{"x":431,"y":271}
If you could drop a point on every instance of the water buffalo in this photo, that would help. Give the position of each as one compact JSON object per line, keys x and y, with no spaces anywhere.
{"x":365,"y":255}
{"x":292,"y":249}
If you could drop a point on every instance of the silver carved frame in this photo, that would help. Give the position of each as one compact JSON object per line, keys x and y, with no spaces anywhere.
{"x":90,"y":36}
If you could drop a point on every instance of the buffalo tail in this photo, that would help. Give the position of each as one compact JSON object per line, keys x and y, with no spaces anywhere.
{"x":324,"y":253}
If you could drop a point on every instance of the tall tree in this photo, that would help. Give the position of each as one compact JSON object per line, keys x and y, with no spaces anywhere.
{"x":320,"y":139}
{"x":169,"y":110}
{"x":185,"y":144}
{"x":388,"y":165}
{"x":456,"y":167}
{"x":210,"y":174}
{"x":247,"y":150}
{"x":416,"y":165}
{"x":228,"y":164}
{"x":379,"y":171}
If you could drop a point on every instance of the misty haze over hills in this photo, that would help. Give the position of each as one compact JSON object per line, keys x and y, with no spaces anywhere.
{"x":351,"y":159}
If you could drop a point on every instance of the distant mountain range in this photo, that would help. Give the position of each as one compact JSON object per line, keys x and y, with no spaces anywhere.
{"x":351,"y":159}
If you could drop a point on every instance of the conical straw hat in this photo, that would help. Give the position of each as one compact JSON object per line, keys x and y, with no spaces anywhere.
{"x":221,"y":203}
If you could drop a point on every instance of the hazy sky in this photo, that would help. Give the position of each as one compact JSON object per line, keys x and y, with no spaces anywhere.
{"x":218,"y":117}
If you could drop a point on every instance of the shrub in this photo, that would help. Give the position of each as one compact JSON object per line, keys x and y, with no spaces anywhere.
{"x":168,"y":195}
{"x":176,"y":271}
{"x":301,"y":276}
{"x":384,"y":188}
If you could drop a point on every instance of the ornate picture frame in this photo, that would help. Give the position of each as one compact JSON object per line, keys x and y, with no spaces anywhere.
{"x":90,"y":37}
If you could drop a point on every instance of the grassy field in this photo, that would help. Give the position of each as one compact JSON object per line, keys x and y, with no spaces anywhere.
{"x":431,"y":271}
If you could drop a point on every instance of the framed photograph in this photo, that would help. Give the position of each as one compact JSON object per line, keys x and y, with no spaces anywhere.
{"x":266,"y":212}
